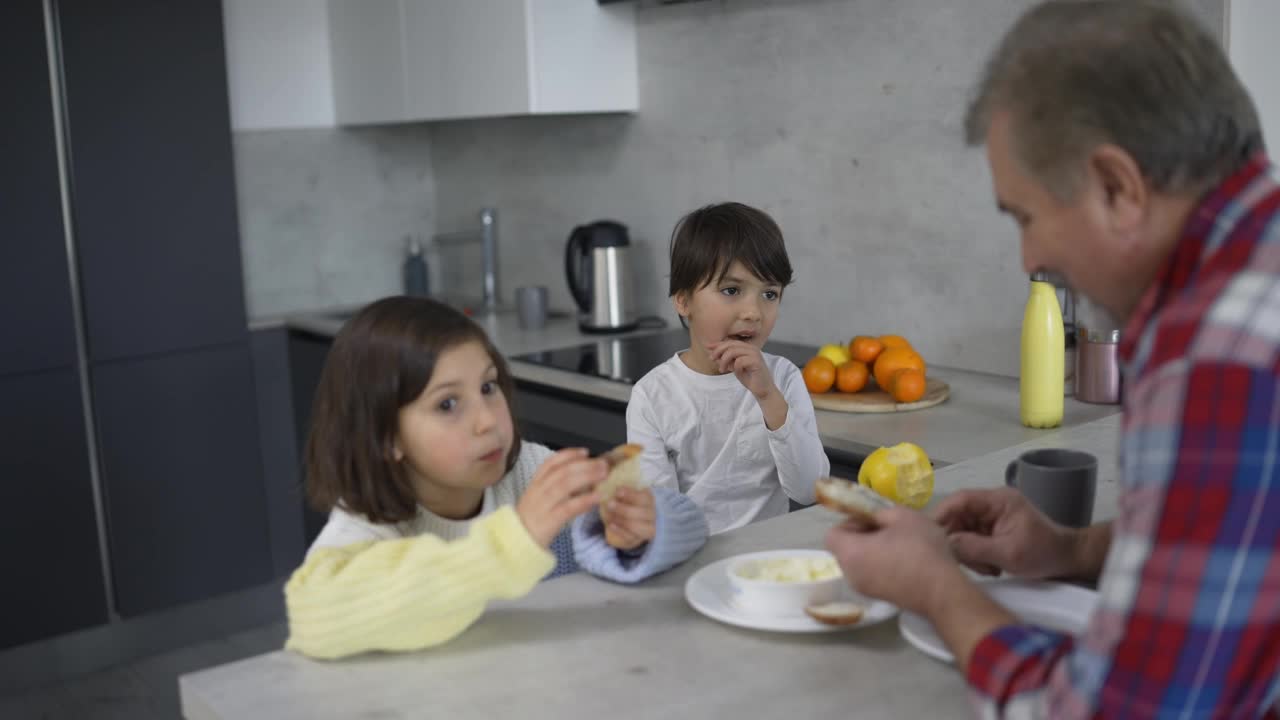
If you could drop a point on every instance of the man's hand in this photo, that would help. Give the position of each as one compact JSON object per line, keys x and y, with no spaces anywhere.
{"x":630,"y":518}
{"x":905,"y":560}
{"x":994,"y":530}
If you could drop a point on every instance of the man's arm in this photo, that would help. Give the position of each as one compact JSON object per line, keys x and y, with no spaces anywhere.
{"x":963,"y":614}
{"x":1188,"y":620}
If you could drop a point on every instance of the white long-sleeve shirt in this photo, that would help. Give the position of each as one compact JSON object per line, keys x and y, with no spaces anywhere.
{"x":705,"y":436}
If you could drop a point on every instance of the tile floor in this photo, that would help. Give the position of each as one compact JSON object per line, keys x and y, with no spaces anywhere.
{"x":145,"y":689}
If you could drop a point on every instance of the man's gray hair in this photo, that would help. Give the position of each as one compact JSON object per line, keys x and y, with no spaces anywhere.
{"x":1141,"y":75}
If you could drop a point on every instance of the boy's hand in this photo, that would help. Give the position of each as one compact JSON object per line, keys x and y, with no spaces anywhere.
{"x":746,"y":363}
{"x":562,"y":489}
{"x":630,"y":518}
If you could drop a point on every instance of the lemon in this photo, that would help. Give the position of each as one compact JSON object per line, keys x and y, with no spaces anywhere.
{"x":837,"y":354}
{"x":901,"y":473}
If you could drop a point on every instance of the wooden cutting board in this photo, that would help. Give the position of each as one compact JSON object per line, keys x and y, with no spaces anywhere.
{"x":875,"y":400}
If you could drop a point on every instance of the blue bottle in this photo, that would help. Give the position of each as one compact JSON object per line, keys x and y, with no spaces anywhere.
{"x":415,"y":270}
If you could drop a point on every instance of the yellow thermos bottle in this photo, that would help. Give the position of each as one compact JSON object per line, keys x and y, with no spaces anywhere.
{"x":1043,"y":350}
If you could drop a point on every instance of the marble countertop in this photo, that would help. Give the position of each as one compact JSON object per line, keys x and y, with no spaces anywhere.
{"x":502,"y":327}
{"x":580,"y":647}
{"x":1101,"y":438}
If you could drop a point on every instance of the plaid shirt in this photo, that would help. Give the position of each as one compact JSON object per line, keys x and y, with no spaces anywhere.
{"x":1188,"y":622}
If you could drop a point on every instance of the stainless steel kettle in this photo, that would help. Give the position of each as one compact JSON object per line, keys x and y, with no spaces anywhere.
{"x":597,"y":268}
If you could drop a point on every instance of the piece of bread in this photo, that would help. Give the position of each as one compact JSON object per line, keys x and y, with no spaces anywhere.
{"x":624,"y":470}
{"x":836,"y":613}
{"x":850,"y":498}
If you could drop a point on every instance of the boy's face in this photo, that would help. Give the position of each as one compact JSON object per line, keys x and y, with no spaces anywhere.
{"x":737,"y":306}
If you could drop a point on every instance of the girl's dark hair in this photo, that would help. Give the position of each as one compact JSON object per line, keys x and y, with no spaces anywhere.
{"x":381,"y":361}
{"x":707,"y":241}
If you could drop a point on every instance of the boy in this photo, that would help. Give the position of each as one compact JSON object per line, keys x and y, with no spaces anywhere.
{"x":728,"y":425}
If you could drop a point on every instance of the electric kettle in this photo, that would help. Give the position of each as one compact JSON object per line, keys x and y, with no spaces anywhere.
{"x":597,"y":268}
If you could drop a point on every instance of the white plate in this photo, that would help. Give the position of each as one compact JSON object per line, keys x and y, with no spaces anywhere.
{"x":708,"y":592}
{"x":1052,"y":605}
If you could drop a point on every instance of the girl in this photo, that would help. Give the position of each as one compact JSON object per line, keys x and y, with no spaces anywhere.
{"x":436,"y":506}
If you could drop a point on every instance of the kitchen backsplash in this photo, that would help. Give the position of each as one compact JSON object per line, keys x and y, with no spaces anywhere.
{"x":323,"y":213}
{"x":842,"y":118}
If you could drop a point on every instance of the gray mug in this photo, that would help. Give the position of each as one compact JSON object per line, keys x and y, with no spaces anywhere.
{"x":1061,"y":483}
{"x":531,"y":307}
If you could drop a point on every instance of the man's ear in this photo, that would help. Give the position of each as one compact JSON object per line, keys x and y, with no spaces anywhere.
{"x":1124,"y":189}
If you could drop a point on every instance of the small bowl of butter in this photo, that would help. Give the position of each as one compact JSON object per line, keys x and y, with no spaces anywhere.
{"x":784,"y":582}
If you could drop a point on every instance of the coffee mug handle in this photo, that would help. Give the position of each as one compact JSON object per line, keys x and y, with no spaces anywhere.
{"x":1010,"y":472}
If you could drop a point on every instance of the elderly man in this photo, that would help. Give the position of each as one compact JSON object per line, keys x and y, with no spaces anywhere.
{"x":1130,"y":156}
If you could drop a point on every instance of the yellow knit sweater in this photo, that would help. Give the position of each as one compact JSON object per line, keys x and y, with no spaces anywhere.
{"x":409,"y":593}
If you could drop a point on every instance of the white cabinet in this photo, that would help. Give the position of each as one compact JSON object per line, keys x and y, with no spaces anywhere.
{"x":407,"y":60}
{"x":278,"y":73}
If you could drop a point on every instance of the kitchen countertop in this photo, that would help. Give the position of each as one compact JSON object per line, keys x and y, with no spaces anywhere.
{"x":981,"y":416}
{"x":1101,"y":438}
{"x":579,"y":647}
{"x":503,"y":329}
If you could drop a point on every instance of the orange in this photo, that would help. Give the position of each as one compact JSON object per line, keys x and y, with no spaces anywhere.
{"x":891,"y":361}
{"x":908,"y":386}
{"x":851,"y":376}
{"x":890,"y":341}
{"x":819,"y":374}
{"x":865,"y":349}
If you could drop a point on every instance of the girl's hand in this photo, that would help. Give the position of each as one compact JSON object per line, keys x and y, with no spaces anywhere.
{"x":630,"y":518}
{"x":746,"y":363}
{"x":562,"y":489}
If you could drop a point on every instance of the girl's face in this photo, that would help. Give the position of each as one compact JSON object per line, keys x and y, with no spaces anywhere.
{"x":454,"y":438}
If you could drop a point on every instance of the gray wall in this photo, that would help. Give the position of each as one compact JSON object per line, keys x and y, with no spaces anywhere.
{"x":842,"y":118}
{"x":323,"y":213}
{"x":839,"y":117}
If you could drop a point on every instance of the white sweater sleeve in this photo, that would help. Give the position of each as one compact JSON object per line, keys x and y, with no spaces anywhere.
{"x":643,"y":429}
{"x":796,"y":448}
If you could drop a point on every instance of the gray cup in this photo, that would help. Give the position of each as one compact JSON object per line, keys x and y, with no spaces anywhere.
{"x":1061,"y":483}
{"x":531,"y":306}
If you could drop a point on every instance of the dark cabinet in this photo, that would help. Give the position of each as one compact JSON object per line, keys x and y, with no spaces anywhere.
{"x":155,"y":206}
{"x":280,"y":455}
{"x":307,"y":355}
{"x":561,"y":418}
{"x":150,"y":190}
{"x":180,"y":459}
{"x":35,"y":294}
{"x":51,"y":561}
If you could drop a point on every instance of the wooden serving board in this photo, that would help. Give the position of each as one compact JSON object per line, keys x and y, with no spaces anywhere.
{"x":875,"y":400}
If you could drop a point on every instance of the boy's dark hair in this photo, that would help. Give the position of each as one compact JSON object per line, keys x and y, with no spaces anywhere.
{"x":381,"y":361}
{"x":705,"y":243}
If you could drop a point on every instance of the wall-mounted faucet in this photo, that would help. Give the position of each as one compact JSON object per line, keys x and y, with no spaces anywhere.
{"x":487,"y":236}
